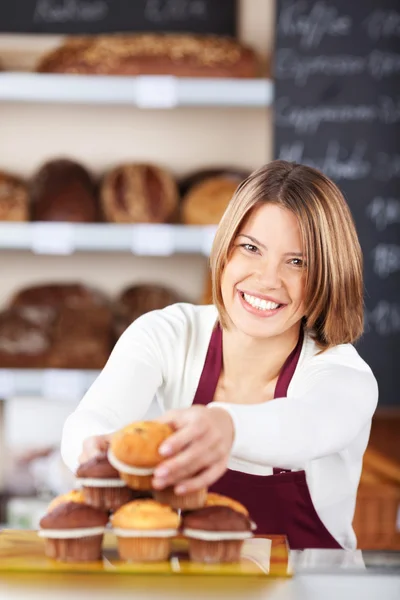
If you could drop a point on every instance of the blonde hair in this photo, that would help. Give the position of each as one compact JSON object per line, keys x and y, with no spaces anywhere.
{"x":334,"y":279}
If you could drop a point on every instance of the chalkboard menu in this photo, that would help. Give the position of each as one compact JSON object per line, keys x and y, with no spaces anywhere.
{"x":106,"y":16}
{"x":337,"y":108}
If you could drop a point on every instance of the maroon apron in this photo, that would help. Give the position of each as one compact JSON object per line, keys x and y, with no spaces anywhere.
{"x":278,"y":503}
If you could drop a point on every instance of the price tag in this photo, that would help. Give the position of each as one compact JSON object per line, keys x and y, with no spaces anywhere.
{"x":153,"y":240}
{"x":63,"y":384}
{"x":156,"y":91}
{"x":7,"y":384}
{"x":52,"y":238}
{"x":207,"y":239}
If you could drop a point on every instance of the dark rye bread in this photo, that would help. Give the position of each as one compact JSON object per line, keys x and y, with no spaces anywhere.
{"x":182,"y":55}
{"x":72,"y":295}
{"x":216,"y":518}
{"x":24,"y":342}
{"x":82,"y":338}
{"x":63,"y":190}
{"x":137,"y":300}
{"x":97,"y":467}
{"x":73,"y":515}
{"x":13,"y":198}
{"x":139,"y":193}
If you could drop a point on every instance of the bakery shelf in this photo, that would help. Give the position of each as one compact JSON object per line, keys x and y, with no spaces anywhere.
{"x":141,"y":239}
{"x":142,"y":91}
{"x":57,"y":384}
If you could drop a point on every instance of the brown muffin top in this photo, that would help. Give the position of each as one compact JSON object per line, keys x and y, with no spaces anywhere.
{"x":73,"y":515}
{"x":216,"y":518}
{"x":97,"y":467}
{"x":137,"y":444}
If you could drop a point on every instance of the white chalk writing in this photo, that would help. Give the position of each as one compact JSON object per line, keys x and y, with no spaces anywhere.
{"x":160,"y":11}
{"x":382,"y":24}
{"x":386,"y":259}
{"x":387,"y":166}
{"x":322,"y":20}
{"x":289,"y":64}
{"x":384,"y":318}
{"x":384,"y":212}
{"x":63,"y":11}
{"x":307,"y":119}
{"x":337,"y":162}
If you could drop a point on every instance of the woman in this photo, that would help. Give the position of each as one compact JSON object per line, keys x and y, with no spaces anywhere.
{"x":271,"y":403}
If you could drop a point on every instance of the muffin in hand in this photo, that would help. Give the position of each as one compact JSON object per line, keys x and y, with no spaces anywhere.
{"x":144,"y":530}
{"x":73,"y":531}
{"x":134,"y":453}
{"x":216,"y":533}
{"x":101,"y":484}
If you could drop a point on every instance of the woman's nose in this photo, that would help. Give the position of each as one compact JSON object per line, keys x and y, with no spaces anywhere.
{"x":269,"y":275}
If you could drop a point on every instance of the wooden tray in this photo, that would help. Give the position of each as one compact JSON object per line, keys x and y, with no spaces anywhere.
{"x":22,"y":551}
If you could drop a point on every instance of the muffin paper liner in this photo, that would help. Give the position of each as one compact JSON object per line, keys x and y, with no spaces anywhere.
{"x":216,"y":536}
{"x":215,"y":552}
{"x":121,"y":466}
{"x":144,"y":533}
{"x":190,"y":501}
{"x":107,"y":498}
{"x":66,"y":534}
{"x":98,"y":482}
{"x":74,"y":549}
{"x":144,"y":549}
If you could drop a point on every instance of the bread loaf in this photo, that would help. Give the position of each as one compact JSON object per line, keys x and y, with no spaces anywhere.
{"x":13,"y":198}
{"x":182,"y":55}
{"x":63,"y":190}
{"x":136,"y":300}
{"x":205,"y":203}
{"x":57,"y":295}
{"x":82,"y":338}
{"x":139,"y":193}
{"x":24,"y":343}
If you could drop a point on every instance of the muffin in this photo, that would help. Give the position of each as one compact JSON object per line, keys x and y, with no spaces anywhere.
{"x":220,"y":500}
{"x":206,"y":202}
{"x":215,"y":533}
{"x":72,"y":530}
{"x":188,"y":501}
{"x":134,"y":452}
{"x":101,"y":484}
{"x":144,"y":530}
{"x":72,"y":496}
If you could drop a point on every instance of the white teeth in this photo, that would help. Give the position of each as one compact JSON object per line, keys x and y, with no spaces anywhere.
{"x":259,"y":303}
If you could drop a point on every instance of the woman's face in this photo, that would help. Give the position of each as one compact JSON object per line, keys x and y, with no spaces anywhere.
{"x":263,"y":282}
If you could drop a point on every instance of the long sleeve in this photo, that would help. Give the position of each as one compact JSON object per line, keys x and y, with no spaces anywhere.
{"x":122,"y":392}
{"x":334,"y":405}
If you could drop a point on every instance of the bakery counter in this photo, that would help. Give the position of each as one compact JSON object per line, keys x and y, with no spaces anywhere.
{"x":317,"y":574}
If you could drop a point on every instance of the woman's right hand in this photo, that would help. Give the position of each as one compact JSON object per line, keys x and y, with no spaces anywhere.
{"x":94,"y":445}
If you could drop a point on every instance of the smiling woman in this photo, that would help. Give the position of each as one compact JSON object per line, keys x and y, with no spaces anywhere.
{"x":269,"y":401}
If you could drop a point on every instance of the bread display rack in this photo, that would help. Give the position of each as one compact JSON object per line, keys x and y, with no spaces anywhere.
{"x":62,"y":239}
{"x":142,"y":91}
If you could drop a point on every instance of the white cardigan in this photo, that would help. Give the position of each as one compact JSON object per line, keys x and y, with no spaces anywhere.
{"x":322,"y":426}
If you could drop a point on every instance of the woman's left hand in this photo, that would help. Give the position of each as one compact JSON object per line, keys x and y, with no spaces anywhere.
{"x":197,"y":453}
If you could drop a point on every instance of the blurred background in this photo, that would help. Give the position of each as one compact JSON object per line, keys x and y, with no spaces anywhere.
{"x":115,"y":170}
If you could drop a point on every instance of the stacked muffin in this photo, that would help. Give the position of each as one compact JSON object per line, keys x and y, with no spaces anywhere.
{"x":118,"y":486}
